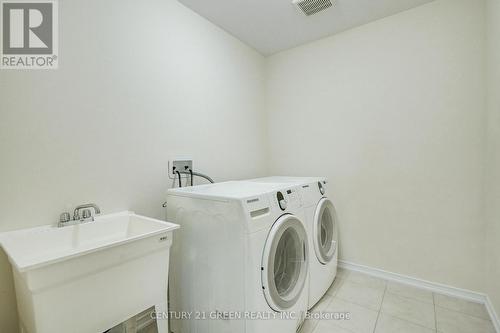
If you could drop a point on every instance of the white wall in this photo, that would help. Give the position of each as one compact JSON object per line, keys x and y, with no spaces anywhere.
{"x":493,"y":158}
{"x":393,"y":113}
{"x":138,"y":82}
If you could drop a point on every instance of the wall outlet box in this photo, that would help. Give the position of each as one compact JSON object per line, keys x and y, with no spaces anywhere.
{"x":179,"y":165}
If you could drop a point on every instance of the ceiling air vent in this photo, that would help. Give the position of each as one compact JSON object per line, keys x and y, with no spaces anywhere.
{"x":311,"y":7}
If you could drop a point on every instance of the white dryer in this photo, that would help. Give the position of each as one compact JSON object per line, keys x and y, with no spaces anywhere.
{"x":239,"y":263}
{"x":322,"y":230}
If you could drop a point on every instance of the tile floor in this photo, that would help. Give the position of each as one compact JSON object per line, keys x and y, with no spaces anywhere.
{"x":378,"y":306}
{"x":150,"y":329}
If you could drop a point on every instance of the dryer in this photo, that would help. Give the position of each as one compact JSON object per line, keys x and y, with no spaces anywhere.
{"x":322,"y":228}
{"x":240,"y":260}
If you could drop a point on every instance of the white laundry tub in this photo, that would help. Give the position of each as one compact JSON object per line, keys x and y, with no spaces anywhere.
{"x":87,"y":278}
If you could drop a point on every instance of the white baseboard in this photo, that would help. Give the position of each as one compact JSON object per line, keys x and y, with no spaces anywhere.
{"x":423,"y":284}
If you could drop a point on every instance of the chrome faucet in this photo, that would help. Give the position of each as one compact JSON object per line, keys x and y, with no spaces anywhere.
{"x":87,"y":216}
{"x":86,"y":212}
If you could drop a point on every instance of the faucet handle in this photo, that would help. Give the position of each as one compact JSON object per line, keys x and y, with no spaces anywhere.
{"x":86,"y":213}
{"x":65,"y":217}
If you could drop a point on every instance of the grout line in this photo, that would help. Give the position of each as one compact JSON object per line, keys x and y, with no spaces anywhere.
{"x":427,"y":328}
{"x":409,"y":298}
{"x":380,"y":310}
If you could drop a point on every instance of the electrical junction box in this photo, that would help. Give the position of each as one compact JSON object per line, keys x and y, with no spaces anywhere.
{"x":179,"y":165}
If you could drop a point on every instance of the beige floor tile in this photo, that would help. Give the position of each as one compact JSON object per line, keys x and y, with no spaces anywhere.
{"x":361,"y":319}
{"x":322,"y":303}
{"x":335,"y":286}
{"x":370,"y":297}
{"x":408,"y":309}
{"x":410,"y":292}
{"x":342,"y":273}
{"x":328,"y":327}
{"x":390,"y":324}
{"x":460,"y":305}
{"x":150,"y":329}
{"x":366,"y":280}
{"x":308,"y":326}
{"x":449,"y":321}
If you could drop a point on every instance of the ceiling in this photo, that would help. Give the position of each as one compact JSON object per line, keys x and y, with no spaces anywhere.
{"x":271,"y":26}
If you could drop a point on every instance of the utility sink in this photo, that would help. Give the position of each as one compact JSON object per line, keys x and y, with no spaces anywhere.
{"x":89,"y":277}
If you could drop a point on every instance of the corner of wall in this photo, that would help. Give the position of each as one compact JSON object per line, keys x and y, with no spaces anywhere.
{"x":492,"y":180}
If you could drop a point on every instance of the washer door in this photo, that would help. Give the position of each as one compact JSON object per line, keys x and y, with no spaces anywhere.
{"x":284,"y":263}
{"x":325,"y":231}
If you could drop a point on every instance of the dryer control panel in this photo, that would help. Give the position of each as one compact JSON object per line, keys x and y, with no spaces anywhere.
{"x":288,"y":198}
{"x":322,"y":187}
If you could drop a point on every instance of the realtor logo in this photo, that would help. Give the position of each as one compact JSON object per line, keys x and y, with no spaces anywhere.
{"x":29,"y":34}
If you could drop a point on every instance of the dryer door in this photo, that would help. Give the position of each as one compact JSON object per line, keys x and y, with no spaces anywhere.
{"x":325,"y":231}
{"x":285,"y":263}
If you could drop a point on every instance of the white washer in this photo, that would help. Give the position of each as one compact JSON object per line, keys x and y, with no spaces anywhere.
{"x":322,"y":230}
{"x":240,"y":260}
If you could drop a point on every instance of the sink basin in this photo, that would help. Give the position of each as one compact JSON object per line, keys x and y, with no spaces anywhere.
{"x":89,"y":277}
{"x":34,"y":248}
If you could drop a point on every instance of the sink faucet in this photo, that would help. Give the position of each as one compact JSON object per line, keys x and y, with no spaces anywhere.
{"x":87,"y":216}
{"x":76,"y":213}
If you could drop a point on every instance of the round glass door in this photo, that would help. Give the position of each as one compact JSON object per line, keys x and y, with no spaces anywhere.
{"x":325,"y":231}
{"x":284,"y":263}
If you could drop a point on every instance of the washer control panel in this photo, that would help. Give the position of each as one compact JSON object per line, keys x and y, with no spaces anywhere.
{"x":282,"y":203}
{"x":288,"y":198}
{"x":322,"y":187}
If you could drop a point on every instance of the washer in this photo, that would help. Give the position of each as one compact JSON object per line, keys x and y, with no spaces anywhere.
{"x":322,"y":229}
{"x":240,"y":259}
